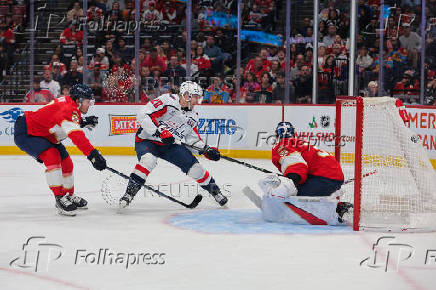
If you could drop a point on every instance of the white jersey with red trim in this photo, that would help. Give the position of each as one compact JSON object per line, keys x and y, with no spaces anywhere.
{"x":166,"y":110}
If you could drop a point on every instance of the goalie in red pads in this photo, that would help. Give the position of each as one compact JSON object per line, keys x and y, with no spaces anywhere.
{"x":307,"y":194}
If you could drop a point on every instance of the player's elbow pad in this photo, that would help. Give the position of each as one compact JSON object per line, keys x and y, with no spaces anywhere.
{"x":295,"y":177}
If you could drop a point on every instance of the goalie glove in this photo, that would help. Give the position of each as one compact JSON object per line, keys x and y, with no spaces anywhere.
{"x":210,"y":153}
{"x":166,"y":136}
{"x":89,"y":122}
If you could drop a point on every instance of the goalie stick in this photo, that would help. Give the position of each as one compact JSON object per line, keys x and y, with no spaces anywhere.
{"x":193,"y":204}
{"x":266,"y":170}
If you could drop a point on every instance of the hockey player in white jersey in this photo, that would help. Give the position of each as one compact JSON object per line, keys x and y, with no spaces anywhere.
{"x":163,"y":121}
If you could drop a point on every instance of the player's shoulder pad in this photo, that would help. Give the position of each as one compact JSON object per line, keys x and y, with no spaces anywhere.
{"x":170,"y":99}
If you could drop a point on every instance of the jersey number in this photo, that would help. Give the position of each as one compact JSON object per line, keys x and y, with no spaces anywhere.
{"x":156,"y":103}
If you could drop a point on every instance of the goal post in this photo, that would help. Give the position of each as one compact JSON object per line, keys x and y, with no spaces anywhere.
{"x":394,"y":185}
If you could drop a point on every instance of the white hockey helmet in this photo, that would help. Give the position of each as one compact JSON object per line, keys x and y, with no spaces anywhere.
{"x":192,"y":88}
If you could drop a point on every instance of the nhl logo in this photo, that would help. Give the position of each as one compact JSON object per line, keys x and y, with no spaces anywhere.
{"x":325,"y":121}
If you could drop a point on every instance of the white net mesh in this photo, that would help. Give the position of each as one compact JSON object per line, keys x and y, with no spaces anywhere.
{"x":399,"y":192}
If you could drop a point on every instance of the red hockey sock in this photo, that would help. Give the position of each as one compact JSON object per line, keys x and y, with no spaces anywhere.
{"x":67,"y":176}
{"x":53,"y":173}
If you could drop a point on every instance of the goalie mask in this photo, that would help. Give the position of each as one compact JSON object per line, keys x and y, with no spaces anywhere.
{"x":191,"y":88}
{"x":285,"y":130}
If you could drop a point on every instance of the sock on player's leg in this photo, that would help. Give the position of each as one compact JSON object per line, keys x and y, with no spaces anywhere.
{"x":206,"y":181}
{"x":53,"y":173}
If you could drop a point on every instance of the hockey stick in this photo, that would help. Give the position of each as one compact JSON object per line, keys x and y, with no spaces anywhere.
{"x":235,"y":160}
{"x":193,"y":204}
{"x":266,"y":170}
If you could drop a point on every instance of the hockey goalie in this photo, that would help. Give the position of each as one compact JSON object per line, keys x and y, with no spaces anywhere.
{"x":307,"y":193}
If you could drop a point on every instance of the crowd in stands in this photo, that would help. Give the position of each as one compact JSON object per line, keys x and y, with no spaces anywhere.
{"x":110,"y":68}
{"x":12,"y":18}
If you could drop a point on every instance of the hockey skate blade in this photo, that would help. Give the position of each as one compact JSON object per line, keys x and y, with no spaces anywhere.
{"x":252,"y":196}
{"x":65,"y":213}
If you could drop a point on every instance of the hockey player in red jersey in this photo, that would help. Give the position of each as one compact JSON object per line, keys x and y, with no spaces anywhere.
{"x":309,"y":173}
{"x":314,"y":172}
{"x":40,"y":133}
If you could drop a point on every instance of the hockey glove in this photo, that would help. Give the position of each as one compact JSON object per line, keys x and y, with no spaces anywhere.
{"x":89,"y":122}
{"x":210,"y":153}
{"x":165,"y":135}
{"x":97,"y":160}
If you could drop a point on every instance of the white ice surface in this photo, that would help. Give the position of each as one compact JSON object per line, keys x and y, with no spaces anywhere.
{"x":193,"y":260}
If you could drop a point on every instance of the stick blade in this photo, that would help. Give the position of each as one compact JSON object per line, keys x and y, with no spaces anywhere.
{"x":198,"y":198}
{"x":252,"y":196}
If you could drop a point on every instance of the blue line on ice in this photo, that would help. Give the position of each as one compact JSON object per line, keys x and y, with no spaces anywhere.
{"x":245,"y":221}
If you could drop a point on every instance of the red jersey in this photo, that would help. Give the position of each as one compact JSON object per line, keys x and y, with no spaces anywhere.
{"x":39,"y":96}
{"x":292,"y":155}
{"x":58,"y":120}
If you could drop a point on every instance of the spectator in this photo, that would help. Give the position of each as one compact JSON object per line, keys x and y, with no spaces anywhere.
{"x":278,"y":94}
{"x":151,"y":16}
{"x":49,"y":84}
{"x":109,"y":50}
{"x":56,"y":62}
{"x":76,"y":13}
{"x":215,"y":54}
{"x":115,"y":11}
{"x":110,"y":3}
{"x":203,"y":63}
{"x":73,"y":76}
{"x":372,"y":90}
{"x":39,"y":95}
{"x":100,"y":60}
{"x":65,"y":91}
{"x":94,"y":13}
{"x":411,"y":41}
{"x":56,"y":73}
{"x":257,"y":69}
{"x":167,"y":49}
{"x":129,"y":12}
{"x":255,"y":16}
{"x":174,"y":72}
{"x":71,"y":35}
{"x":322,"y":55}
{"x":275,"y":70}
{"x":408,"y":88}
{"x":295,"y":71}
{"x":331,"y":34}
{"x":264,"y":95}
{"x":168,"y":13}
{"x":325,"y":81}
{"x":249,"y":87}
{"x":223,"y":42}
{"x":303,"y":85}
{"x":217,"y":93}
{"x":154,"y":62}
{"x":125,"y":52}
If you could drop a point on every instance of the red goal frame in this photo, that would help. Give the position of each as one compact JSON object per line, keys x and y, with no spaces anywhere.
{"x":357,"y":150}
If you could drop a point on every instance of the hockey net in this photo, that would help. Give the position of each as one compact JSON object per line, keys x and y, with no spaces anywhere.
{"x":394,"y":186}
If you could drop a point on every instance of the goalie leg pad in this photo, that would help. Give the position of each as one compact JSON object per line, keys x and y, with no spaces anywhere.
{"x":200,"y":174}
{"x":296,"y":210}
